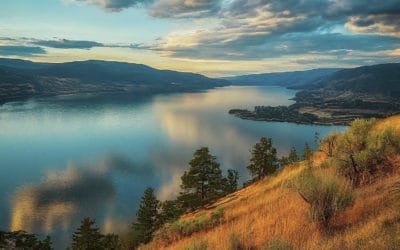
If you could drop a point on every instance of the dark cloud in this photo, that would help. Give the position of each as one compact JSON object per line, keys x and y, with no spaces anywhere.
{"x":67,"y":44}
{"x":20,"y":50}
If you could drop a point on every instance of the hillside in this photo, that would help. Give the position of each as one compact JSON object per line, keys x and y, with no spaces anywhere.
{"x":270,"y":214}
{"x":21,"y":79}
{"x":294,"y":79}
{"x":363,"y":92}
{"x":376,"y":79}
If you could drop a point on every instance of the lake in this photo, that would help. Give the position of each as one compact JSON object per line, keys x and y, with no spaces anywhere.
{"x":65,"y":158}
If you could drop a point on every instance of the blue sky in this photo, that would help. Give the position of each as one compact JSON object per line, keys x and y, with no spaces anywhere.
{"x":213,"y":37}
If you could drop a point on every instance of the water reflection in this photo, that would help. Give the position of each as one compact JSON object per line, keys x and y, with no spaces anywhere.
{"x":71,"y":157}
{"x":62,"y":198}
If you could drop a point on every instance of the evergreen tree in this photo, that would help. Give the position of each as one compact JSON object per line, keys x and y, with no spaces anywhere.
{"x":293,"y":157}
{"x":147,"y":221}
{"x":23,"y":240}
{"x":284,"y":161}
{"x":307,"y":152}
{"x":170,"y":211}
{"x":263,"y":159}
{"x":203,"y":182}
{"x":231,"y":181}
{"x":87,"y":236}
{"x":111,"y":242}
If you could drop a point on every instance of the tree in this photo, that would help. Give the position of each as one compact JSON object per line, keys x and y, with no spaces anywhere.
{"x":293,"y":157}
{"x":231,"y":181}
{"x":263,"y":160}
{"x":170,"y":211}
{"x":147,"y":221}
{"x":87,"y":236}
{"x":307,"y":152}
{"x":283,"y":161}
{"x":111,"y":242}
{"x":203,"y":182}
{"x":23,"y":240}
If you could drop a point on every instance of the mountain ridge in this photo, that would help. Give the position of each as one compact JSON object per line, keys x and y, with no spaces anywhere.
{"x":22,"y":79}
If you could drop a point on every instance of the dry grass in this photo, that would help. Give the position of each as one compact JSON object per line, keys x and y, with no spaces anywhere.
{"x":270,"y":210}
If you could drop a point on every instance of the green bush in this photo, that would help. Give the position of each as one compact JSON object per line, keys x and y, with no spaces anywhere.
{"x":170,"y":232}
{"x":326,"y":193}
{"x":202,"y":245}
{"x":278,"y":244}
{"x":361,"y":152}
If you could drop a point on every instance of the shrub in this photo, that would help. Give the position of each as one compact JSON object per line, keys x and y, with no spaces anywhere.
{"x":361,"y":152}
{"x":278,"y":244}
{"x":235,"y":243}
{"x":170,"y":232}
{"x":202,"y":245}
{"x":217,"y":215}
{"x":326,"y":193}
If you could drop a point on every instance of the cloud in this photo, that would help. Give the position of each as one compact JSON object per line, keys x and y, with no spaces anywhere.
{"x":208,"y":44}
{"x":260,"y":29}
{"x":65,"y":197}
{"x":67,"y":44}
{"x":375,"y":24}
{"x":184,"y":8}
{"x":112,"y":5}
{"x":20,"y":50}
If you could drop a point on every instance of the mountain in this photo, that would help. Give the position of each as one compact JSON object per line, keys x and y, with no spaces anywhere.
{"x":20,"y":79}
{"x":285,"y":79}
{"x":339,"y":98}
{"x":376,"y":79}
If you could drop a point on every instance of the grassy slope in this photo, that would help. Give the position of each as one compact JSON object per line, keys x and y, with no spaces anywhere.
{"x":269,"y":210}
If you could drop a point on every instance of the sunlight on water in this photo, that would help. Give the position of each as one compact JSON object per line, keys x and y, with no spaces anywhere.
{"x":70,"y":157}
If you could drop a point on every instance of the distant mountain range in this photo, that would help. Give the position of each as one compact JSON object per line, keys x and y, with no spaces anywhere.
{"x":336,"y":98}
{"x":293,"y":79}
{"x":20,"y":79}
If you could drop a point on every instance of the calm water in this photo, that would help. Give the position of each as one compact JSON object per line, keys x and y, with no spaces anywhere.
{"x":65,"y":158}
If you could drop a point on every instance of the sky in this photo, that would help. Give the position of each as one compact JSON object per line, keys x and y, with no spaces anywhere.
{"x":211,"y":37}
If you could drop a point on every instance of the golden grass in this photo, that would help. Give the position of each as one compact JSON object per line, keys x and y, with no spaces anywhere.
{"x":269,"y":210}
{"x":393,"y":121}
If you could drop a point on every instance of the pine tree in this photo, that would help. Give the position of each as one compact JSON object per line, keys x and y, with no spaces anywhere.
{"x":147,"y":221}
{"x":231,"y":181}
{"x":111,"y":242}
{"x":87,"y":236}
{"x":293,"y":157}
{"x":203,"y":182}
{"x":307,"y":152}
{"x":263,"y":159}
{"x":170,"y":211}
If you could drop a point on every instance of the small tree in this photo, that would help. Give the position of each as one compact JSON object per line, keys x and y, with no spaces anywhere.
{"x":147,"y":221}
{"x":263,"y":159}
{"x":307,"y":152}
{"x":231,"y":181}
{"x":293,"y":156}
{"x":87,"y":236}
{"x":203,"y":182}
